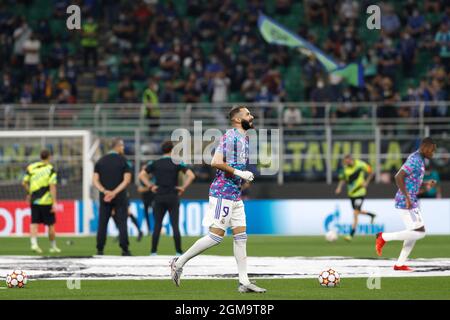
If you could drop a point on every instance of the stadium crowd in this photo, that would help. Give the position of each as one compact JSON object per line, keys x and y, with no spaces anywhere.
{"x":150,"y":51}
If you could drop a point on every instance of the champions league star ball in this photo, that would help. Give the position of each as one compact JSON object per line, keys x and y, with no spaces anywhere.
{"x":16,"y":279}
{"x":329,"y":278}
{"x":331,"y":236}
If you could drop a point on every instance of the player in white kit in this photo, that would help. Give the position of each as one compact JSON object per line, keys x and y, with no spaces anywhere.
{"x":409,"y":179}
{"x":226,"y":208}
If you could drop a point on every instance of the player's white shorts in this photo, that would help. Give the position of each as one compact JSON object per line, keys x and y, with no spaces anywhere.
{"x":223,"y":213}
{"x":412,"y":218}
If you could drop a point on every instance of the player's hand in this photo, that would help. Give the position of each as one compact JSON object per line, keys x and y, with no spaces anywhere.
{"x":338,"y":190}
{"x":54,"y":207}
{"x":28,"y":198}
{"x":154,"y":188}
{"x":431,"y":183}
{"x":181,"y":190}
{"x":109,"y":195}
{"x":408,"y":202}
{"x":246,"y":175}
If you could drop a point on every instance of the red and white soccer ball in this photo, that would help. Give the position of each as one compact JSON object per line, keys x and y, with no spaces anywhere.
{"x":329,"y":278}
{"x":16,"y":279}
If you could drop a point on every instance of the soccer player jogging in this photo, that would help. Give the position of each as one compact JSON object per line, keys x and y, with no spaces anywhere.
{"x":354,"y":174}
{"x":167,"y":192}
{"x":409,"y":181}
{"x":40,"y":184}
{"x":226,"y":208}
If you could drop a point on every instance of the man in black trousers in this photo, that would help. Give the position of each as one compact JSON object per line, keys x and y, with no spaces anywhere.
{"x":167,"y":192}
{"x":112,"y":175}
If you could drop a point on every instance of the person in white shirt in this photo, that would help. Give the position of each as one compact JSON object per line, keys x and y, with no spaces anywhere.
{"x":31,"y":48}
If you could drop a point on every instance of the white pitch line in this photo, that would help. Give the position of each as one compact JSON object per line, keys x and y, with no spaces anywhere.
{"x":217,"y":267}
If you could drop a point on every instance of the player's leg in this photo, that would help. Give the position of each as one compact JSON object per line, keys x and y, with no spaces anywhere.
{"x":414,"y":231}
{"x":35,"y":220}
{"x":239,"y":228}
{"x":147,"y":206}
{"x":105,"y":211}
{"x":159,"y":210}
{"x":50,"y":220}
{"x":120,"y":219}
{"x":174,"y":212}
{"x":136,"y":223}
{"x":213,"y":238}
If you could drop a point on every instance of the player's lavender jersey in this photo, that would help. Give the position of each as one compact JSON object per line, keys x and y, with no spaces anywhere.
{"x":414,"y":167}
{"x":234,"y":146}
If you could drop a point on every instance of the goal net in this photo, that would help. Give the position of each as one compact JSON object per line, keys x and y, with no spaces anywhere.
{"x":71,"y":156}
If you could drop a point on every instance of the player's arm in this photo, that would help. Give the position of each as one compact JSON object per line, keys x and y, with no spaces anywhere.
{"x":54,"y":198}
{"x":145,"y":178}
{"x":219,"y":163}
{"x":189,"y":178}
{"x":370,"y":175}
{"x":26,"y":186}
{"x":125,"y":182}
{"x":400,"y":181}
{"x":96,"y":182}
{"x":340,"y":186}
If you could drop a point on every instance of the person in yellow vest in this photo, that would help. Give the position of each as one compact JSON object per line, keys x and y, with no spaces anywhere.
{"x":89,"y":42}
{"x":357,"y":174}
{"x":151,"y":102}
{"x":40,"y":183}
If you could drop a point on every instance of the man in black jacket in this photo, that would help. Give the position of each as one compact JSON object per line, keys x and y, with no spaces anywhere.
{"x":112,"y":175}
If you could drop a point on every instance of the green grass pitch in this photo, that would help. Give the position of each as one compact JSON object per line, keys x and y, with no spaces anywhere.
{"x":350,"y":288}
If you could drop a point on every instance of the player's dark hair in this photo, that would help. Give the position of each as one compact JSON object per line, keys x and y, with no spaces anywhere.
{"x":45,"y":154}
{"x":115,"y":142}
{"x":234,"y":111}
{"x":428,"y":141}
{"x":348,"y":156}
{"x":167,"y":146}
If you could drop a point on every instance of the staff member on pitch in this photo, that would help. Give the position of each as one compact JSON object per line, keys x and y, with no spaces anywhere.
{"x":167,"y":192}
{"x":112,"y":175}
{"x":40,"y":184}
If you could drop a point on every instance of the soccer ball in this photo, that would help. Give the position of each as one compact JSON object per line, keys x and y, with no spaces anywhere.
{"x":16,"y":279}
{"x":329,"y":278}
{"x":331,"y":236}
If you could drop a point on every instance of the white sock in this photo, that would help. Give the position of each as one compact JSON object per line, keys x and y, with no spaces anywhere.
{"x":53,"y":243}
{"x":408,"y":245}
{"x":34,"y":241}
{"x":240,"y":253}
{"x":208,"y":241}
{"x":403,"y":235}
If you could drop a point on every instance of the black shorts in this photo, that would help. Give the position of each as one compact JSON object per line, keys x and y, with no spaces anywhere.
{"x":357,"y":203}
{"x":42,"y":214}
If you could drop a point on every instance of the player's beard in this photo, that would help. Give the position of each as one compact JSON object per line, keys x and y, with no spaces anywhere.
{"x":247,"y":125}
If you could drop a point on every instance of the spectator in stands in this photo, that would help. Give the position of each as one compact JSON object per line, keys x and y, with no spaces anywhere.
{"x":432,"y":5}
{"x":250,"y":87}
{"x":416,"y":23}
{"x":8,"y":88}
{"x":170,"y":63}
{"x":219,"y":85}
{"x":26,"y":97}
{"x":207,"y":27}
{"x":137,"y":70}
{"x":40,"y":88}
{"x":21,"y":34}
{"x":408,"y":53}
{"x":191,"y":90}
{"x":350,"y":45}
{"x":127,"y":92}
{"x":58,"y":54}
{"x":312,"y":69}
{"x":101,"y":84}
{"x":31,"y":48}
{"x":151,"y":100}
{"x":349,"y":12}
{"x":388,"y":98}
{"x":292,"y":117}
{"x":283,"y":7}
{"x":168,"y":94}
{"x":442,"y":40}
{"x":390,"y":22}
{"x":319,"y":95}
{"x":346,"y":107}
{"x":72,"y":75}
{"x":316,"y":9}
{"x":389,"y":59}
{"x":89,"y":42}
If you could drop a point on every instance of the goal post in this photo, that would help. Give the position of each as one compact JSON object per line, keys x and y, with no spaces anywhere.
{"x":73,"y":160}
